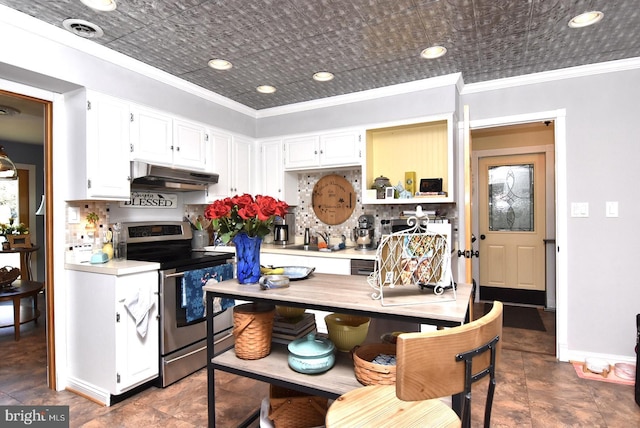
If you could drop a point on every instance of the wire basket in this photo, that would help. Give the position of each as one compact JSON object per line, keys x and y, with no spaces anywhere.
{"x":8,"y":274}
{"x":252,"y":328}
{"x":294,"y":409}
{"x":369,"y":373}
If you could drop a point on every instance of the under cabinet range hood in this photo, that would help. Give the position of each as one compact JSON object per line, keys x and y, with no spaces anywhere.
{"x":145,"y":176}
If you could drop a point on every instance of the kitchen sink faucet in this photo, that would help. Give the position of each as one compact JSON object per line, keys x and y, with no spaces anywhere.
{"x":324,"y":236}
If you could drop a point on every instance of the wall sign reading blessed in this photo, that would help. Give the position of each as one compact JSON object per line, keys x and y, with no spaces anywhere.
{"x":151,"y":200}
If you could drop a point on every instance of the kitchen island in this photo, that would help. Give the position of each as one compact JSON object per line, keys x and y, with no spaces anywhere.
{"x":327,"y":292}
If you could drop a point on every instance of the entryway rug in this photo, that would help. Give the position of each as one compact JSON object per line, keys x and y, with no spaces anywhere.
{"x":519,"y":317}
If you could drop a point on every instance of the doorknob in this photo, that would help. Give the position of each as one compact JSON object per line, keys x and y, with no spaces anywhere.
{"x":483,"y":237}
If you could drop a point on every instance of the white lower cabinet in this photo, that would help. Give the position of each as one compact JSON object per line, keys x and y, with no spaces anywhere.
{"x":110,"y":351}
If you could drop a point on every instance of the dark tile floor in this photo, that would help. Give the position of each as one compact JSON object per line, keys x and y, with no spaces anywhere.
{"x":534,"y":390}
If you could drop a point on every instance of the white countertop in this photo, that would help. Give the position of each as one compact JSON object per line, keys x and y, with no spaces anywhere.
{"x":347,"y":253}
{"x":127,"y":267}
{"x":113,"y":267}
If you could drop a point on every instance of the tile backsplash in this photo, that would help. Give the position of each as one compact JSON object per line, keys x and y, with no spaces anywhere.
{"x":304,"y":213}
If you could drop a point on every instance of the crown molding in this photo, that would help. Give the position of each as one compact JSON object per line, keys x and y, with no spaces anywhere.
{"x":387,"y":91}
{"x":35,"y":26}
{"x":553,"y":75}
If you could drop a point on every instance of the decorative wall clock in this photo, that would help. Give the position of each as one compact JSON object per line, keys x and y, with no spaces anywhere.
{"x":333,"y":199}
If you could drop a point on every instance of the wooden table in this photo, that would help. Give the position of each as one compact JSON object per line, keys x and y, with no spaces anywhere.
{"x":17,"y":291}
{"x":333,"y":293}
{"x":25,"y":259}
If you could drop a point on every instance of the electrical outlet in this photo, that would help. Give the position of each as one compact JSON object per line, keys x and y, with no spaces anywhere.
{"x":388,"y":277}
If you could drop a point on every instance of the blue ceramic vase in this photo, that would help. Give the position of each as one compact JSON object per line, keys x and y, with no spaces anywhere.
{"x":247,"y":258}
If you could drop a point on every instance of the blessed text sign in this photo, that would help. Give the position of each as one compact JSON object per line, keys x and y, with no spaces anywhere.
{"x":151,"y":200}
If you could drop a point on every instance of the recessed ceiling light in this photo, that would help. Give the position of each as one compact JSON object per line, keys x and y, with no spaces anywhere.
{"x":83,"y":28}
{"x":323,"y":76}
{"x":102,"y":5}
{"x":220,"y":64}
{"x":266,"y":89}
{"x":586,"y":19}
{"x":433,"y":52}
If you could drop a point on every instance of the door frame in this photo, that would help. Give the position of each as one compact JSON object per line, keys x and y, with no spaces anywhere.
{"x":561,"y":257}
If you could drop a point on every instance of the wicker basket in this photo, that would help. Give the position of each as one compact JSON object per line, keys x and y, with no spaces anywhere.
{"x":369,"y":373}
{"x":252,"y":327}
{"x":294,"y":409}
{"x":8,"y":274}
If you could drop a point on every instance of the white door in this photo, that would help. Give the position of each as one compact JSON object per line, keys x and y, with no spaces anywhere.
{"x":511,"y":216}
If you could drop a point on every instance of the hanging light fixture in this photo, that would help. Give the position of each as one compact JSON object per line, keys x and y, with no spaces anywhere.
{"x":8,"y":170}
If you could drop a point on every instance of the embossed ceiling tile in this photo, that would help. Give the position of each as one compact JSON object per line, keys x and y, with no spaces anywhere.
{"x":148,"y":11}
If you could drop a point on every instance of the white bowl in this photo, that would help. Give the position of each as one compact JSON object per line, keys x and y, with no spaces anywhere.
{"x":597,"y":365}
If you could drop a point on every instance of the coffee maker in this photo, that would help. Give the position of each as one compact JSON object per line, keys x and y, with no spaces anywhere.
{"x":284,"y":229}
{"x":364,"y":233}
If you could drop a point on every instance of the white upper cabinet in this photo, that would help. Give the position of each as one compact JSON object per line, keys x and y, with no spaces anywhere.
{"x":275,"y":181}
{"x":99,"y":147}
{"x":161,"y":139}
{"x":335,"y":149}
{"x":232,"y":160}
{"x":340,"y":148}
{"x":242,"y":165}
{"x":302,"y":152}
{"x":189,"y":144}
{"x":151,"y":136}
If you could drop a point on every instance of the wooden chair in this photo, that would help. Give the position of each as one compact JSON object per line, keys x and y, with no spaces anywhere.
{"x":429,"y":366}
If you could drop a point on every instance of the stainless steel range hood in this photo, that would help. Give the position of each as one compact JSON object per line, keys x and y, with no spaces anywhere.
{"x":145,"y":176}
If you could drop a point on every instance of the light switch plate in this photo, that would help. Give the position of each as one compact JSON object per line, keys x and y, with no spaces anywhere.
{"x":579,"y":209}
{"x":611,"y":208}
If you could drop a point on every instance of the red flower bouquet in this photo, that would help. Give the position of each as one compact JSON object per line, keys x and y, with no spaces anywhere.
{"x":253,"y":216}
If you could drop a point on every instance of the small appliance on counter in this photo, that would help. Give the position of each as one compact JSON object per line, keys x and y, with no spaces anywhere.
{"x":284,"y":229}
{"x":364,"y":233}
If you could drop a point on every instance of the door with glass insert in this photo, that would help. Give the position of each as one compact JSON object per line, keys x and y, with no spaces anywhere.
{"x":511,"y":195}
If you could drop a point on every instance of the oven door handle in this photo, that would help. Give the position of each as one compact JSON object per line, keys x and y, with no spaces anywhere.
{"x":204,"y":348}
{"x":173,"y":275}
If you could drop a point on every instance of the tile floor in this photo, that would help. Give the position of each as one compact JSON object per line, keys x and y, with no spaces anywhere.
{"x":534,"y":390}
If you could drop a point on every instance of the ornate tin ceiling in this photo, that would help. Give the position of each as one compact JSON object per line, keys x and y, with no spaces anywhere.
{"x":365,"y":43}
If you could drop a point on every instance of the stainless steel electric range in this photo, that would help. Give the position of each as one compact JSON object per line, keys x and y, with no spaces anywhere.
{"x":183,"y":347}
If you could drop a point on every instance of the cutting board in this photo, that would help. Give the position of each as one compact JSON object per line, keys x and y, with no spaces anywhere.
{"x":333,"y":199}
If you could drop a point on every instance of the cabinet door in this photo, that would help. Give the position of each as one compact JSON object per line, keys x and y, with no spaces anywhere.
{"x":189,"y":145}
{"x":272,"y":169}
{"x":340,"y":148}
{"x":302,"y":152}
{"x":151,"y":136}
{"x":108,"y":170}
{"x":220,"y":145}
{"x":242,"y":165}
{"x":136,"y":355}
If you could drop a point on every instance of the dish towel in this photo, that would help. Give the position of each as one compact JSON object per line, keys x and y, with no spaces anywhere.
{"x":193,"y":296}
{"x":138,"y":304}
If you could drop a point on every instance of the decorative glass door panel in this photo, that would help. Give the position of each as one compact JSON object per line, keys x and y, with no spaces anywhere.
{"x":511,"y":203}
